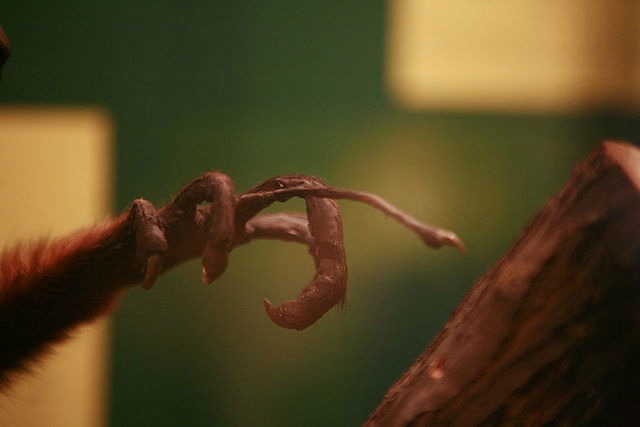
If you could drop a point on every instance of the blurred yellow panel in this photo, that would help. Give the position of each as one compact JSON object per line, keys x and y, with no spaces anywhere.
{"x":549,"y":55}
{"x":55,"y":177}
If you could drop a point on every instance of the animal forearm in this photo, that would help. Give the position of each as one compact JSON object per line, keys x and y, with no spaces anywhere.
{"x":48,"y":288}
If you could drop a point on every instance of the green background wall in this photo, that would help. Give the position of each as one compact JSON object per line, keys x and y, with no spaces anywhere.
{"x":260,"y":88}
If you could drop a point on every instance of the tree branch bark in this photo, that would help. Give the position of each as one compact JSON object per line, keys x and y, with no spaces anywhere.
{"x":551,"y":333}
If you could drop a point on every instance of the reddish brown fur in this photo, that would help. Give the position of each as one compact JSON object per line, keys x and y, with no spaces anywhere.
{"x":47,"y":288}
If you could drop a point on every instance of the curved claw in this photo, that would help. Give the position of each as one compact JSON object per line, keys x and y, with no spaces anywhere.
{"x":452,"y":239}
{"x":290,"y":315}
{"x":329,"y":285}
{"x":214,"y":263}
{"x":275,"y":316}
{"x":324,"y":293}
{"x":152,"y":270}
{"x":317,"y":298}
{"x":436,"y":238}
{"x":328,"y":288}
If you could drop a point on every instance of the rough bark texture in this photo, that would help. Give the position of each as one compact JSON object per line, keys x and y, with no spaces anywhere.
{"x":550,"y":335}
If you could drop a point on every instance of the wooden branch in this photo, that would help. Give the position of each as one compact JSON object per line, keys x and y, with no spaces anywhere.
{"x":550,"y":335}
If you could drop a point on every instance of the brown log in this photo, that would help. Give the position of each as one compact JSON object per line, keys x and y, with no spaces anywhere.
{"x":550,"y":335}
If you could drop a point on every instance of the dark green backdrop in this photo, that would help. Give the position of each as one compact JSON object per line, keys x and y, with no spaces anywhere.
{"x":259,"y":88}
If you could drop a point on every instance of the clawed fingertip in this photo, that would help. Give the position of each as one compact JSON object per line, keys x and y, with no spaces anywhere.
{"x":206,"y":279}
{"x":457,"y":243}
{"x":152,"y":270}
